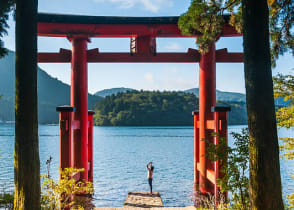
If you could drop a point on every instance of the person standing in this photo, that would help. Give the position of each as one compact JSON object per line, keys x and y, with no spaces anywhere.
{"x":150,"y":169}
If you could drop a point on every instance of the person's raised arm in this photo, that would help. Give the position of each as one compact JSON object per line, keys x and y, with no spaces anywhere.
{"x":148,"y":165}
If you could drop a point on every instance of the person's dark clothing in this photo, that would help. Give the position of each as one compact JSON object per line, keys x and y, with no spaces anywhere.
{"x":150,"y":184}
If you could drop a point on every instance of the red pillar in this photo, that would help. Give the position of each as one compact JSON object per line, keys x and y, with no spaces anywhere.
{"x":216,"y":164}
{"x":90,"y":145}
{"x":221,"y":128}
{"x":196,"y":147}
{"x":207,"y":99}
{"x":65,"y":119}
{"x":79,"y":100}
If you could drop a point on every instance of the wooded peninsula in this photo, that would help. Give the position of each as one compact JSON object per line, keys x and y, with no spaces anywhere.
{"x":146,"y":108}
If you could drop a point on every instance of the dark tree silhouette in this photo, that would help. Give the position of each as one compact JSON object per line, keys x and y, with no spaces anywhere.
{"x":26,"y":155}
{"x":265,"y":179}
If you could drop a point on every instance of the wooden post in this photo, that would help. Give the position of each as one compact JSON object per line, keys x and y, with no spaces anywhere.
{"x":79,"y":100}
{"x":65,"y":138}
{"x":90,"y":145}
{"x":196,"y":147}
{"x":221,"y":129}
{"x":207,"y":99}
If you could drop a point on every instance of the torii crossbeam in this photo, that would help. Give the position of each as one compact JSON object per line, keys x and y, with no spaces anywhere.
{"x":142,"y":32}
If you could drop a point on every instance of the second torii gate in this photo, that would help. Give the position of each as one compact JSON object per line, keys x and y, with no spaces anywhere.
{"x":77,"y":151}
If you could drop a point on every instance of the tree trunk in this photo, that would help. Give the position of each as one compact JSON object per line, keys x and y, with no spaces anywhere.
{"x":26,"y":155}
{"x":265,"y":179}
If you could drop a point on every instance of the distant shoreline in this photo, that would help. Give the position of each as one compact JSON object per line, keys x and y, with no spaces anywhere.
{"x":56,"y":124}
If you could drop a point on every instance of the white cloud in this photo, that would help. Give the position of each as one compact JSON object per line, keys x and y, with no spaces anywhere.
{"x":173,"y":79}
{"x":177,"y":83}
{"x":150,"y":5}
{"x":173,"y":46}
{"x":121,"y":3}
{"x":171,"y":71}
{"x":149,"y":77}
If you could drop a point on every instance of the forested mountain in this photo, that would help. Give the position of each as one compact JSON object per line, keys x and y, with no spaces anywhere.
{"x":109,"y":92}
{"x":145,"y":108}
{"x":221,"y":95}
{"x":232,"y":96}
{"x":51,"y":93}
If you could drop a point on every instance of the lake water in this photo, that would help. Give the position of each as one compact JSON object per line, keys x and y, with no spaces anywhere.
{"x":120,"y":158}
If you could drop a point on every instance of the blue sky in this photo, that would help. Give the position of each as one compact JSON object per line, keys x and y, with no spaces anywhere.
{"x":230,"y":77}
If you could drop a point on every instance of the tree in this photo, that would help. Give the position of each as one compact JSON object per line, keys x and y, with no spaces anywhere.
{"x":235,"y":165}
{"x":252,"y":19}
{"x":265,"y":178}
{"x":26,"y":155}
{"x":147,"y":108}
{"x":5,"y":7}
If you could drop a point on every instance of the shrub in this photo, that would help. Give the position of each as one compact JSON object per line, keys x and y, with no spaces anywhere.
{"x":67,"y":192}
{"x":235,"y":166}
{"x":6,"y":200}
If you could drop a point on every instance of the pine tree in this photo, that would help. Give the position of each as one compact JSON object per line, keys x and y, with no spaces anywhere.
{"x":281,"y":27}
{"x":26,"y":155}
{"x":265,"y":179}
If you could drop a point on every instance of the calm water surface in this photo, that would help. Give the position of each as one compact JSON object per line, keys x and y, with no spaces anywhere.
{"x":120,"y":158}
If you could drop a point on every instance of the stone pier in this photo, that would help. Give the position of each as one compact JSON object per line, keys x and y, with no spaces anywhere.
{"x":144,"y":200}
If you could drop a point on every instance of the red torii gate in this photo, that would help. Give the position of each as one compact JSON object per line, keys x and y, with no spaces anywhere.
{"x":77,"y":151}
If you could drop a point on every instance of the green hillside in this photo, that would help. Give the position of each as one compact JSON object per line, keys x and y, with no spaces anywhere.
{"x":145,"y":108}
{"x":109,"y":92}
{"x":51,"y":93}
{"x":221,"y":95}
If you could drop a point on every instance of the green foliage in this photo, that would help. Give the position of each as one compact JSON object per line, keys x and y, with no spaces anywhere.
{"x":56,"y":195}
{"x":207,"y":17}
{"x":284,"y":87}
{"x":6,"y":200}
{"x":235,"y":168}
{"x":5,"y":7}
{"x":65,"y":192}
{"x":145,"y":108}
{"x":281,"y":27}
{"x":291,"y":199}
{"x":238,"y":167}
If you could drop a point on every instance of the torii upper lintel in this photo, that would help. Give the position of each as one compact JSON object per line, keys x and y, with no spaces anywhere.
{"x":57,"y":25}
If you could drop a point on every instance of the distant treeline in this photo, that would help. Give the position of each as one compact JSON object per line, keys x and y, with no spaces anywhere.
{"x":145,"y":108}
